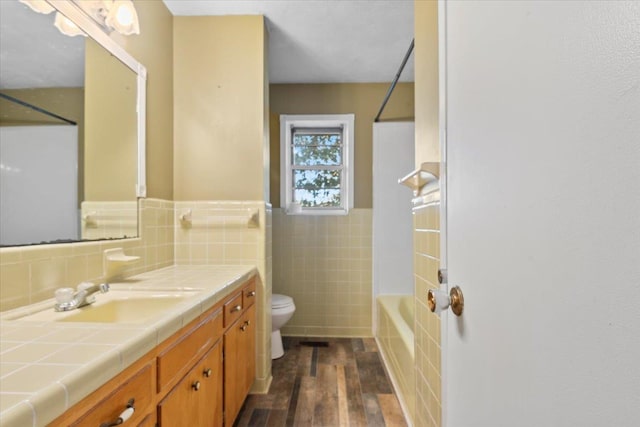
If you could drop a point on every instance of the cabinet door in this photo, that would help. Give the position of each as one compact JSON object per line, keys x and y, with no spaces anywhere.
{"x":197,"y":399}
{"x":248,"y":370}
{"x":239,"y":363}
{"x":232,"y":362}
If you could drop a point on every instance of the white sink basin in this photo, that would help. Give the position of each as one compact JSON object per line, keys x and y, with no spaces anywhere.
{"x":115,"y":306}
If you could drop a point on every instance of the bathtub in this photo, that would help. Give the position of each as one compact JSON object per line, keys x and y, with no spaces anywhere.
{"x":395,"y":318}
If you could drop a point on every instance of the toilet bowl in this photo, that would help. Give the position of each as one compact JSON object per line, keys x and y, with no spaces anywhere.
{"x":282,"y":308}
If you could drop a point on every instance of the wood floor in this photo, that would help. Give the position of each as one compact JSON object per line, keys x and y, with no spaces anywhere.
{"x":325,"y":382}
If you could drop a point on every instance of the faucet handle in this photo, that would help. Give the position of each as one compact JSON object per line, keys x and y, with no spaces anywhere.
{"x":64,"y":295}
{"x":104,"y":288}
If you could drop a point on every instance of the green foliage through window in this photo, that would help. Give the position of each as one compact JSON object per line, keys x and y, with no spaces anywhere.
{"x":317,"y":167}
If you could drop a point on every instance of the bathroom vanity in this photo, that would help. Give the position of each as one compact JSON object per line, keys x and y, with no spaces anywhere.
{"x":192,"y":365}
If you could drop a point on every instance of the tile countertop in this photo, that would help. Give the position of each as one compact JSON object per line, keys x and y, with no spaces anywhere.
{"x":47,"y":367}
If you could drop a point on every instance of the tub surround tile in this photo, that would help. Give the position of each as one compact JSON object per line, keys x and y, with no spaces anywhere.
{"x":427,"y":326}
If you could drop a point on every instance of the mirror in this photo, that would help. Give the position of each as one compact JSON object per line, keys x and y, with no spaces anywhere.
{"x":72,"y":131}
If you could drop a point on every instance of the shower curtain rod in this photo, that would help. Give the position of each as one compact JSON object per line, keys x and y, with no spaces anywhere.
{"x":36,"y":108}
{"x":395,"y":80}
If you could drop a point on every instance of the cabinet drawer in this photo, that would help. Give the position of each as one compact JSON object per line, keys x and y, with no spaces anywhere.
{"x":138,"y":387}
{"x":177,"y":358}
{"x":249,"y":293}
{"x":232,"y":309}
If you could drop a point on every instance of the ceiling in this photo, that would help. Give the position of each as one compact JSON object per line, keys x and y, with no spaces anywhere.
{"x":325,"y":41}
{"x":310,"y":41}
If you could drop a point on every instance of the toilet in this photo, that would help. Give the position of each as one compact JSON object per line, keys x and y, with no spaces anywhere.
{"x":282,"y":308}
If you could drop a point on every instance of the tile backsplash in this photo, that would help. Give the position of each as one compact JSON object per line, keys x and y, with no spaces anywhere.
{"x":103,"y":220}
{"x":232,"y":232}
{"x":30,"y":274}
{"x":324,"y":264}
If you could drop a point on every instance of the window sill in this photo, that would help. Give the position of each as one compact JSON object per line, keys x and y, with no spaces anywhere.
{"x":323,"y":212}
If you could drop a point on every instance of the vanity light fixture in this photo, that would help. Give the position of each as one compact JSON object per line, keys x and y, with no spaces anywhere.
{"x":39,"y":6}
{"x":118,"y":15}
{"x":66,"y":26}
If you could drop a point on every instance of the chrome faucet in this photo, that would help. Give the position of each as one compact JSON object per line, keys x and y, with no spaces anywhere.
{"x":84,"y":296}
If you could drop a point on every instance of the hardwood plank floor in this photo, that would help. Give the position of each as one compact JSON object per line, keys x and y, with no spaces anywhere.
{"x":325,"y":382}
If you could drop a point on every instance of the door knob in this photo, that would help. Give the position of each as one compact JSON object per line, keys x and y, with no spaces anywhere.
{"x":438,"y":300}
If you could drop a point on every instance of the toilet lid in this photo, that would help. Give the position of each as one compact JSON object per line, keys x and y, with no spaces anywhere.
{"x":279,"y":301}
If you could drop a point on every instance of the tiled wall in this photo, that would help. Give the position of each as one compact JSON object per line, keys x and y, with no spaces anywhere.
{"x":324,"y":264}
{"x":426,"y":238}
{"x":32,"y":273}
{"x":103,"y":220}
{"x":220,"y":232}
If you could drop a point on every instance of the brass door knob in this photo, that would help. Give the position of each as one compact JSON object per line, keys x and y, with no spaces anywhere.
{"x":438,"y":300}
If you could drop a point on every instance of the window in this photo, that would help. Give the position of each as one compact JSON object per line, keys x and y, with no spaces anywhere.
{"x":316,"y":170}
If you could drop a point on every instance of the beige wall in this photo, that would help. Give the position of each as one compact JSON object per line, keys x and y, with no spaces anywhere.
{"x":111,"y":131}
{"x":426,"y":235}
{"x":219,"y":129}
{"x":362,"y":99}
{"x":426,"y":81}
{"x":154,"y":49}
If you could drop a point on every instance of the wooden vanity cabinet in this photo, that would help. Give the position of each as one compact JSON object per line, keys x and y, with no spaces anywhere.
{"x":199,"y":377}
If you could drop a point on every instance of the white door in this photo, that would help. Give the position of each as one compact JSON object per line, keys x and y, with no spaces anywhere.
{"x":543,"y":213}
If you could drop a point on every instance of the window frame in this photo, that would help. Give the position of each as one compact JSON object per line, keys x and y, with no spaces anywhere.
{"x":319,"y":121}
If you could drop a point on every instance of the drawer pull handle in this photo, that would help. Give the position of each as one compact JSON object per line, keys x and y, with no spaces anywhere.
{"x":236,"y":308}
{"x":243,"y":327}
{"x":251,"y":294}
{"x":196,"y":385}
{"x":248,"y":322}
{"x":207,"y":373}
{"x":124,"y":416}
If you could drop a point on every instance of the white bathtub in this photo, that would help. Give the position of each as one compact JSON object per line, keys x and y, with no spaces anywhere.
{"x":395,"y":314}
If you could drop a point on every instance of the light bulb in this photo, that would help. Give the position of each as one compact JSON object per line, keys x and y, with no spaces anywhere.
{"x":123,"y":18}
